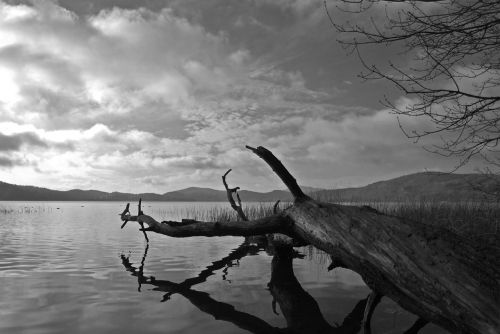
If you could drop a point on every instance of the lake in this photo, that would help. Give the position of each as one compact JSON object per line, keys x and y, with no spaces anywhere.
{"x":67,"y":267}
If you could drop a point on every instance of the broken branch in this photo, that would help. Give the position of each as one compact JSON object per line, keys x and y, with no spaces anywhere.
{"x":229,"y":192}
{"x":280,"y":170}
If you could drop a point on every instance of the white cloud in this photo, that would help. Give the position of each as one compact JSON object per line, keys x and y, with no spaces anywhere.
{"x":9,"y":91}
{"x":298,"y":6}
{"x":141,"y":95}
{"x":239,"y":56}
{"x":114,"y":62}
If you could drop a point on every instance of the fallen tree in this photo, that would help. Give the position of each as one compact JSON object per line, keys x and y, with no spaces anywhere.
{"x":428,"y":270}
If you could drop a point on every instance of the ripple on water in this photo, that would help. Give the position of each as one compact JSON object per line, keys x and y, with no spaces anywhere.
{"x":62,"y":271}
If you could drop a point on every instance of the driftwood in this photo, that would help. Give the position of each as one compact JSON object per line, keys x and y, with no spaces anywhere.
{"x":428,"y":270}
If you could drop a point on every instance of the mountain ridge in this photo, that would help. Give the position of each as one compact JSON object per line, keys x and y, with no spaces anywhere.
{"x":418,"y":186}
{"x":13,"y":192}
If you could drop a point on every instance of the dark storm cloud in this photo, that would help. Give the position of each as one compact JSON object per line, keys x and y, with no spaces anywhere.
{"x":153,"y":117}
{"x":14,"y":142}
{"x":21,"y":57}
{"x":194,"y":162}
{"x":6,"y":162}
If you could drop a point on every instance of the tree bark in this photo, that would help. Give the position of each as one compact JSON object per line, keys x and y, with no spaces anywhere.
{"x":428,"y":270}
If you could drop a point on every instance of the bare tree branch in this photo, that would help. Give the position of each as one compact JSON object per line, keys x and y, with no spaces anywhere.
{"x":454,"y":76}
{"x":229,"y":191}
{"x":190,"y":228}
{"x":280,"y":170}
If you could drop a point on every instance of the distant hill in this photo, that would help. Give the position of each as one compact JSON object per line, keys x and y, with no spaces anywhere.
{"x":211,"y":195}
{"x":420,"y":186}
{"x":11,"y":192}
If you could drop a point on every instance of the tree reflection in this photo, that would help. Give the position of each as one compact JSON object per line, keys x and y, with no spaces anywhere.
{"x":300,"y":310}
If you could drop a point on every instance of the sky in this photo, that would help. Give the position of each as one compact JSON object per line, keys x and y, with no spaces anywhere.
{"x":158,"y":95}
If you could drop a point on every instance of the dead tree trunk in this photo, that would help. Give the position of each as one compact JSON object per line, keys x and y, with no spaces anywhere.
{"x":428,"y":270}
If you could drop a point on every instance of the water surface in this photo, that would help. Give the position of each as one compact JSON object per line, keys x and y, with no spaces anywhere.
{"x":67,"y":267}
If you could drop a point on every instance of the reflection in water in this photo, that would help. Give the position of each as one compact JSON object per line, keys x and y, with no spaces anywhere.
{"x":59,"y":274}
{"x":300,"y":310}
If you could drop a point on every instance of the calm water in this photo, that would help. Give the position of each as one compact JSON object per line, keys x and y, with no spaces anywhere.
{"x":66,"y":267}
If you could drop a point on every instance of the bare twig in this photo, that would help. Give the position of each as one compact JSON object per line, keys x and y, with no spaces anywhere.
{"x":454,"y":77}
{"x":141,"y":213}
{"x":124,"y":213}
{"x":276,"y":206}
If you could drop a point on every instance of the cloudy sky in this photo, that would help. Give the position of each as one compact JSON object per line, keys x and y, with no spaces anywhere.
{"x":158,"y":95}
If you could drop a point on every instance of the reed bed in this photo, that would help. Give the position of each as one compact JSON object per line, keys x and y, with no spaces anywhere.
{"x":26,"y":209}
{"x":214,"y":213}
{"x":475,"y":220}
{"x":471,"y":219}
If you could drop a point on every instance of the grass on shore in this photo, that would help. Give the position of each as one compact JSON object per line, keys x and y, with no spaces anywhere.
{"x":216,"y":213}
{"x":474,"y":220}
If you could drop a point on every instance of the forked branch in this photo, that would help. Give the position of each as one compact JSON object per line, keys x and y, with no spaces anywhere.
{"x":229,"y":191}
